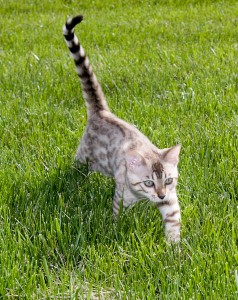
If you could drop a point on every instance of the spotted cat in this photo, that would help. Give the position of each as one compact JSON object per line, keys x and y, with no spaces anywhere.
{"x":115,"y":148}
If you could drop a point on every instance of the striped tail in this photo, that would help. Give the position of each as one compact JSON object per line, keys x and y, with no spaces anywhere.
{"x":92,"y":92}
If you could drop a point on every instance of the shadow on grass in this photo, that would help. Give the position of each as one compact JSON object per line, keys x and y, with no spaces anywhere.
{"x":68,"y":212}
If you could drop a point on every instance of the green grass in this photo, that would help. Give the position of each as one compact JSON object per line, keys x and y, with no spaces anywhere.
{"x":169,"y":67}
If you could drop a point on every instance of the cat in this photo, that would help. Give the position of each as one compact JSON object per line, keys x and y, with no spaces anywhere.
{"x":117,"y":149}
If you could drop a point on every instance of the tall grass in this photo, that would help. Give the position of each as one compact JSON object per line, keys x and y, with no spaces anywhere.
{"x":170,"y":68}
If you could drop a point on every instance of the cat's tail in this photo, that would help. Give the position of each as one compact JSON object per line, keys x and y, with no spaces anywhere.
{"x":92,"y":91}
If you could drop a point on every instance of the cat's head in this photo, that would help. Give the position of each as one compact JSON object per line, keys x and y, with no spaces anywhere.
{"x":153,"y":178}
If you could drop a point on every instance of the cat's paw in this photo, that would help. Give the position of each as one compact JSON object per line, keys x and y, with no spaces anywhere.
{"x":173,"y":237}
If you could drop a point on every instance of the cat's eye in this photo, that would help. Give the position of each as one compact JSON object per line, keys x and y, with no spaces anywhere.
{"x":149,"y":183}
{"x":168,"y":181}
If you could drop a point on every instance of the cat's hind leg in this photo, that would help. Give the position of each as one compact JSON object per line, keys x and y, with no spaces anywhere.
{"x":83,"y":151}
{"x":79,"y":156}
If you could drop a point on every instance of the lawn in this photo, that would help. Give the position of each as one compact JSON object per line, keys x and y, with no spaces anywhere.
{"x":168,"y":67}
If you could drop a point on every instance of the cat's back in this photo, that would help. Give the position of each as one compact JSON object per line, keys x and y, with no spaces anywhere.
{"x":107,"y":124}
{"x":106,"y":140}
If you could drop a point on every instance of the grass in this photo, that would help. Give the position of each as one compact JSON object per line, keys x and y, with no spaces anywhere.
{"x":169,"y":67}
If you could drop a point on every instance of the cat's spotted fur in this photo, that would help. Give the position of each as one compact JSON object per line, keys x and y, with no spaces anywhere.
{"x":116,"y":148}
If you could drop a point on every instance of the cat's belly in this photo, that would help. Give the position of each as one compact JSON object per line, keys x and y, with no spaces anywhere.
{"x":102,"y":168}
{"x":97,"y":161}
{"x":101,"y":152}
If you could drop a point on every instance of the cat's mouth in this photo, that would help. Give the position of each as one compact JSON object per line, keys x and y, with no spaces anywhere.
{"x":158,"y":199}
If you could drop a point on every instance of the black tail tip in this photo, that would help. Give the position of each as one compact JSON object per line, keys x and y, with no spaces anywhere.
{"x":72,"y":22}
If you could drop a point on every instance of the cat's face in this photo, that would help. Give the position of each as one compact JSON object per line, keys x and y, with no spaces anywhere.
{"x":153,"y":179}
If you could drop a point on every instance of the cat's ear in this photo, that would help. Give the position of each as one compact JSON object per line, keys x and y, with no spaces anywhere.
{"x":171,"y":155}
{"x":134,"y":161}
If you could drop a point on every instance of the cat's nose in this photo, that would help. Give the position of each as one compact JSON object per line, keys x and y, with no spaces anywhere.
{"x":161,"y":196}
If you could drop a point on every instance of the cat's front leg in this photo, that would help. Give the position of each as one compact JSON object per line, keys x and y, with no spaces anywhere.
{"x":123,"y":198}
{"x":170,"y":212}
{"x":117,"y":200}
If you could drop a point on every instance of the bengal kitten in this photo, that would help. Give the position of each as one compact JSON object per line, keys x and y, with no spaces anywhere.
{"x":115,"y":148}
